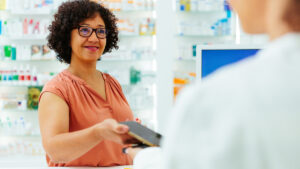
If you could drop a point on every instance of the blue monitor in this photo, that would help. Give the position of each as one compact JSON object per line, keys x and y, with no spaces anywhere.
{"x":214,"y":58}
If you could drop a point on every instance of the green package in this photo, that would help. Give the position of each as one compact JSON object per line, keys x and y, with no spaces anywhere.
{"x":7,"y":51}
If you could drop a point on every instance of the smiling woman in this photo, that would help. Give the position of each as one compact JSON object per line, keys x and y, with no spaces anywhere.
{"x":80,"y":108}
{"x":87,"y":45}
{"x":78,"y":11}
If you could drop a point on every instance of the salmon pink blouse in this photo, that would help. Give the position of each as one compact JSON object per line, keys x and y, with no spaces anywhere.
{"x":88,"y":108}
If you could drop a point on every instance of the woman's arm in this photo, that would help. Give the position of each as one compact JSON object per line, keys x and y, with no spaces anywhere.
{"x":63,"y":146}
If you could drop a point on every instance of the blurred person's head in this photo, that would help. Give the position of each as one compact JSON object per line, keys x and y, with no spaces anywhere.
{"x":274,"y":17}
{"x":83,"y":29}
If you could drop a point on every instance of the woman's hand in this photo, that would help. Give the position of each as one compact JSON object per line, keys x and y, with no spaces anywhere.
{"x":111,"y":130}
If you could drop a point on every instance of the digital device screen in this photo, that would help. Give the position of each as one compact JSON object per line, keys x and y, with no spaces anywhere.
{"x":213,"y":59}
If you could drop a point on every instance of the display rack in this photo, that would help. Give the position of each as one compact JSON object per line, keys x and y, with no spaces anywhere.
{"x":204,"y":22}
{"x":198,"y":22}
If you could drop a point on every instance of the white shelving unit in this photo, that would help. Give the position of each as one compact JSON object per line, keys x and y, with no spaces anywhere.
{"x":198,"y":22}
{"x":231,"y":34}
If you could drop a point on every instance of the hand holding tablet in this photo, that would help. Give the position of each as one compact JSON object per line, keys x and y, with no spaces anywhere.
{"x":143,"y":135}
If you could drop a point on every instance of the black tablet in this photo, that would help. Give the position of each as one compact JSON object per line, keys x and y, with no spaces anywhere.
{"x":143,"y":134}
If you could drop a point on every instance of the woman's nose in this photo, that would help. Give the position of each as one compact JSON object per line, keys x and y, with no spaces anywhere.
{"x":93,"y":37}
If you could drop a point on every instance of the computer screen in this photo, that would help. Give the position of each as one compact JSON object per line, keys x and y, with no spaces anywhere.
{"x":213,"y":59}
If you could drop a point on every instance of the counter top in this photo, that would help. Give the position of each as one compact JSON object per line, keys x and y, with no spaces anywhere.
{"x":118,"y":167}
{"x":38,"y":162}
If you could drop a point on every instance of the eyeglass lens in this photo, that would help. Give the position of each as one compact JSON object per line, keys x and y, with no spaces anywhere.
{"x":87,"y":32}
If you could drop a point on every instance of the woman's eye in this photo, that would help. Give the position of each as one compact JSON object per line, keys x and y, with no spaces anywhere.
{"x":85,"y":30}
{"x":101,"y":31}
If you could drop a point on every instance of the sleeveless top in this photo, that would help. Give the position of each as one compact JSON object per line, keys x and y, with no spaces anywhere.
{"x":87,"y":108}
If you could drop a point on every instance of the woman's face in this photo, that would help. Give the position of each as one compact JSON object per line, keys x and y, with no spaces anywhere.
{"x":252,"y":14}
{"x":90,"y":48}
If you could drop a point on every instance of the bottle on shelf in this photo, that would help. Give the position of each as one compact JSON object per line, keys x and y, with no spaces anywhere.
{"x":151,"y":26}
{"x":13,"y":52}
{"x":3,"y":76}
{"x":27,"y":75}
{"x":4,"y":28}
{"x":143,"y":28}
{"x":10,"y":77}
{"x":15,"y":76}
{"x":21,"y":75}
{"x":25,"y":26}
{"x":34,"y":81}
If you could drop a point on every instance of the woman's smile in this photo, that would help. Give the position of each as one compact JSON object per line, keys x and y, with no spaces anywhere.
{"x":92,"y":48}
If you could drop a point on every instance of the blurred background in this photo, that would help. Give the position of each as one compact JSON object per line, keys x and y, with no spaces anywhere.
{"x":162,"y":49}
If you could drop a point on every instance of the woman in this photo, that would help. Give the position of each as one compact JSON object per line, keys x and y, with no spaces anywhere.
{"x":245,"y":116}
{"x":80,"y":108}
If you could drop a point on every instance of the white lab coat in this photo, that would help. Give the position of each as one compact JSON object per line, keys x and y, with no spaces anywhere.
{"x":244,"y":116}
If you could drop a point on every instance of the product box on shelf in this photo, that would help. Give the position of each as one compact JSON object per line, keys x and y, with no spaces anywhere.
{"x":18,"y":125}
{"x":38,"y":6}
{"x":7,"y":52}
{"x":2,"y":4}
{"x":199,"y":5}
{"x":36,"y":52}
{"x":135,"y":76}
{"x":16,"y":28}
{"x":26,"y":52}
{"x":127,"y":5}
{"x":144,"y":26}
{"x":33,"y":96}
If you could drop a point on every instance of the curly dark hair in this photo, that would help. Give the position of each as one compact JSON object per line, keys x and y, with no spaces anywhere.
{"x":68,"y":17}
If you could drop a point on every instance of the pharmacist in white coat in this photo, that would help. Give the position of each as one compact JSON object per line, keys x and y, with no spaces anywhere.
{"x":245,"y":116}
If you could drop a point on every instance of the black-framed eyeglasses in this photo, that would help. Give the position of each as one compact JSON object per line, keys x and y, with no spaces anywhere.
{"x":86,"y":31}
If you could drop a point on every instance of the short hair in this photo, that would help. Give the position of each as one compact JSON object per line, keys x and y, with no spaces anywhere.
{"x":292,"y":15}
{"x":68,"y":17}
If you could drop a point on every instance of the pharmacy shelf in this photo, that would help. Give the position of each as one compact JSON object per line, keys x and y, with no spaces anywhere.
{"x":102,"y":60}
{"x":143,"y":84}
{"x":204,"y":36}
{"x":14,"y":85}
{"x":128,"y":60}
{"x":17,"y":111}
{"x":139,"y":84}
{"x":22,"y":13}
{"x":134,"y":11}
{"x":199,"y":12}
{"x":35,"y":137}
{"x":48,"y":12}
{"x":124,"y":85}
{"x":136,"y":36}
{"x":185,"y":59}
{"x":24,"y":38}
{"x":184,"y":66}
{"x":137,"y":13}
{"x":29,"y":61}
{"x":27,"y":38}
